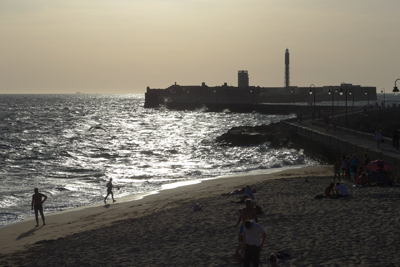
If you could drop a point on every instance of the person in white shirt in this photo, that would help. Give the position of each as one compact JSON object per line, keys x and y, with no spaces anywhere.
{"x":341,"y":190}
{"x":253,"y":240}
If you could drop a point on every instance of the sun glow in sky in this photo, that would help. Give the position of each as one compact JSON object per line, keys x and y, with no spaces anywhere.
{"x":121,"y":46}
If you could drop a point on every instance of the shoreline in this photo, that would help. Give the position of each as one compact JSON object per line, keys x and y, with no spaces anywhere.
{"x":163,"y":229}
{"x":170,"y":186}
{"x":74,"y":214}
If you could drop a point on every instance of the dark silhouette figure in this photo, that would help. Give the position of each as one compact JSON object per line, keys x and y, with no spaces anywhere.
{"x":109,"y":191}
{"x":396,"y":137}
{"x":37,"y":203}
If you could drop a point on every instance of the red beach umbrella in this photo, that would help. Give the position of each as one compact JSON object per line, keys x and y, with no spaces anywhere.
{"x":374,"y":165}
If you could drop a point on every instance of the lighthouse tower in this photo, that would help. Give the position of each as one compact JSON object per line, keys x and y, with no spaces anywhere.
{"x":287,"y":79}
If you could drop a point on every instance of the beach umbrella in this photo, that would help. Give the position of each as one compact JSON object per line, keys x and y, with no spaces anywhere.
{"x":374,"y":165}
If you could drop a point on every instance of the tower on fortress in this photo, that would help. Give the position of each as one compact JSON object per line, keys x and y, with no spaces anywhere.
{"x":243,"y":79}
{"x":287,"y":80}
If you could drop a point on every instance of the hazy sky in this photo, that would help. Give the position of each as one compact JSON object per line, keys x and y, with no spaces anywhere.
{"x":123,"y":46}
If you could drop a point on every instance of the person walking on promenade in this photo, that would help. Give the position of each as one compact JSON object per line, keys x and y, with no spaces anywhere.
{"x":378,"y":137}
{"x":396,"y":137}
{"x":253,"y":240}
{"x":37,"y":204}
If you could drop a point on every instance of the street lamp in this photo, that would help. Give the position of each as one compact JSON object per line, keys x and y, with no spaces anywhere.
{"x":292,"y":92}
{"x":345,"y":99}
{"x":395,"y":89}
{"x":313,"y":92}
{"x":383,"y":91}
{"x":352,"y":93}
{"x":330,"y":92}
{"x":366,"y":93}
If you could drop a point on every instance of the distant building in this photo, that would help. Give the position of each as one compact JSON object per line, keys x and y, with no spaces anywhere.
{"x":246,"y":94}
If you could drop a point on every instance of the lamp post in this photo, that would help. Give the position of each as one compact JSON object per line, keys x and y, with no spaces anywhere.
{"x":366,"y":92}
{"x":352,"y":93}
{"x":345,"y":99}
{"x":313,"y":92}
{"x":395,"y":89}
{"x":330,"y":92}
{"x":383,"y":91}
{"x":292,"y":92}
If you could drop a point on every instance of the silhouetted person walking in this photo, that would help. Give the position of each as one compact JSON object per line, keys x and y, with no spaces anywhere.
{"x":37,"y":203}
{"x":109,"y":191}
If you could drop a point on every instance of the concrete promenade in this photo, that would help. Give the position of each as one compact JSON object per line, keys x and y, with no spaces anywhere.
{"x":342,"y":141}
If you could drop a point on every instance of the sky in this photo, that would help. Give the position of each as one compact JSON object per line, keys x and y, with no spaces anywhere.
{"x":125,"y":46}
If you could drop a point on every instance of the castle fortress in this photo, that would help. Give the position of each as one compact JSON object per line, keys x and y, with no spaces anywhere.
{"x":246,"y":94}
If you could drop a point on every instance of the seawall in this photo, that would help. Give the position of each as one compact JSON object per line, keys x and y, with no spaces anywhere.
{"x":338,"y":141}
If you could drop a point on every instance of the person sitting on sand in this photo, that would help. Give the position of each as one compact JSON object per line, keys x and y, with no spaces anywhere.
{"x":273,"y":260}
{"x":109,"y":191}
{"x":329,"y":191}
{"x":37,"y":203}
{"x":235,"y":192}
{"x":363,"y":180}
{"x":359,"y":173}
{"x":341,"y":190}
{"x":247,"y":194}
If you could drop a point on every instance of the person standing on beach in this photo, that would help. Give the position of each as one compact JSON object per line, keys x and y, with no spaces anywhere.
{"x":109,"y":191}
{"x":253,"y":241}
{"x":337,"y":166}
{"x":353,"y":167}
{"x":37,"y":204}
{"x":345,"y":166}
{"x":247,"y":213}
{"x":366,"y":159}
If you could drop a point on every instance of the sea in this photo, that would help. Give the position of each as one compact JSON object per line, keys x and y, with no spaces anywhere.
{"x":69,"y":146}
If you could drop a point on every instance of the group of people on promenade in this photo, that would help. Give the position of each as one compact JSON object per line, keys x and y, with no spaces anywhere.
{"x":379,"y":139}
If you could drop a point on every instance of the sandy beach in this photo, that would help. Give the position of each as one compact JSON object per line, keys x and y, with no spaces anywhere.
{"x":163,"y":229}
